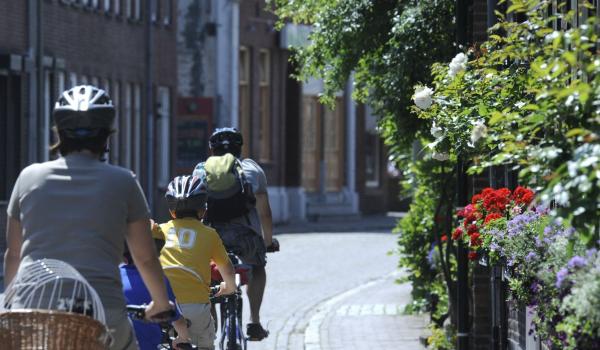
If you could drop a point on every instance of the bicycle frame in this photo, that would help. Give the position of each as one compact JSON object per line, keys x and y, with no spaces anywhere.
{"x":231,"y":306}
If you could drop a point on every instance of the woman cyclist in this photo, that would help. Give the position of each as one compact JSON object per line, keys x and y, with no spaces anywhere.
{"x":79,"y":210}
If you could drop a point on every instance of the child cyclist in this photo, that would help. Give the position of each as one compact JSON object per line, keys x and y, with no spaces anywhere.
{"x":149,"y":335}
{"x":189,"y":247}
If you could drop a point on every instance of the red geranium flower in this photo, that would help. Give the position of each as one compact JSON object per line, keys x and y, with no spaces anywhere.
{"x":475,"y":239}
{"x":476,"y":198}
{"x":472,"y":255}
{"x":457,"y":234}
{"x":487,"y":191}
{"x":522,"y":195}
{"x":497,"y":201}
{"x":491,"y":217}
{"x":472,"y":228}
{"x":444,"y":238}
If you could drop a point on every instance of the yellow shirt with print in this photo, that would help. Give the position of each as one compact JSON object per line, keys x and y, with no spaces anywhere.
{"x":185,"y":258}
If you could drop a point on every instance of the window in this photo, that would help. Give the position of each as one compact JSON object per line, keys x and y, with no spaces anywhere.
{"x":137,"y":129}
{"x":95,"y":82}
{"x":372,"y":159}
{"x":115,"y":144}
{"x":163,"y":133}
{"x":117,"y":7}
{"x":126,"y":128}
{"x":95,"y":4}
{"x":107,"y":5}
{"x":128,"y":8}
{"x":138,"y":10}
{"x":311,"y":143}
{"x":244,"y":100}
{"x":72,"y":80}
{"x":48,"y":99}
{"x":83,"y":80}
{"x":10,"y":133}
{"x":264,"y":101}
{"x":167,"y":12}
{"x":155,"y":11}
{"x":333,"y":146}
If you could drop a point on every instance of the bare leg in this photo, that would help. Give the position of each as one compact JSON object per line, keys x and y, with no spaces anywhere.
{"x":255,"y":291}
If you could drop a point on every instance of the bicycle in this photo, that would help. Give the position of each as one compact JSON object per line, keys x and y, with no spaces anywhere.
{"x":231,"y":306}
{"x":138,"y":312}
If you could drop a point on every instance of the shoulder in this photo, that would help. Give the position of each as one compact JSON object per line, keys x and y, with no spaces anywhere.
{"x":33,"y":174}
{"x":250,"y":164}
{"x":37,"y":169}
{"x":118,"y":172}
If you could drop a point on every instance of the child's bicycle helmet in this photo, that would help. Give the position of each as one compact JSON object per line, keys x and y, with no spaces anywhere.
{"x":187,"y":194}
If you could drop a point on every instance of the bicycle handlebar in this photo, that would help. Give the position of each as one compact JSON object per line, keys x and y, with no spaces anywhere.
{"x":138,"y":312}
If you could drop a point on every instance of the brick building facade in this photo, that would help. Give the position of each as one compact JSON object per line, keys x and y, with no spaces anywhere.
{"x":120,"y":45}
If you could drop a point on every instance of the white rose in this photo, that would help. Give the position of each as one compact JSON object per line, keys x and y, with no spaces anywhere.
{"x":423,"y":97}
{"x":441,"y":156}
{"x":436,"y":131}
{"x":479,"y":131}
{"x":458,"y":64}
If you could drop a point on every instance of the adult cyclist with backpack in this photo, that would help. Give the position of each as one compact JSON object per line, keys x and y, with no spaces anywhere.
{"x":239,"y":209}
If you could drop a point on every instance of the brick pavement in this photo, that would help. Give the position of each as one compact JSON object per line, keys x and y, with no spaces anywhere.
{"x":372,"y":319}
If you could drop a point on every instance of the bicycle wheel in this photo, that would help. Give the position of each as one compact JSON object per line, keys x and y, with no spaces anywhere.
{"x":232,"y":326}
{"x":240,"y":333}
{"x":222,"y":322}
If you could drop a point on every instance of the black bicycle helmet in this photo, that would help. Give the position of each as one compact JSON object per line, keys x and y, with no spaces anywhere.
{"x":226,"y":138}
{"x":187,"y":194}
{"x":84,"y":110}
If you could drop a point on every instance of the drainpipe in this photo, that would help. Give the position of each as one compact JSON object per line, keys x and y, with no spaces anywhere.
{"x":462,"y":283}
{"x":150,"y":105}
{"x":34,"y":58}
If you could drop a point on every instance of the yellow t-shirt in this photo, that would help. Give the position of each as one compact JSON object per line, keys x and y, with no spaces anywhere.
{"x":185,"y":258}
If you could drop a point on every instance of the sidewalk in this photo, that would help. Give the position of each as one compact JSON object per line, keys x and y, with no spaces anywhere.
{"x":370,"y":319}
{"x":357,"y":223}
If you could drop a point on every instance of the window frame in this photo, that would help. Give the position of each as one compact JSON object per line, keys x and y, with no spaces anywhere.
{"x":264,"y":104}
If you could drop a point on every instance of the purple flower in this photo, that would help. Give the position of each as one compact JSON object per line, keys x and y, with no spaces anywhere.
{"x":535,"y":287}
{"x":576,"y":262}
{"x":530,"y":256}
{"x":430,"y":257}
{"x":494,"y":247}
{"x":591,"y":252}
{"x":560,"y":276}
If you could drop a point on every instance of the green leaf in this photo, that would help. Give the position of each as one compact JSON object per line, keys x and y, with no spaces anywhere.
{"x":570,"y":57}
{"x":576,"y":132}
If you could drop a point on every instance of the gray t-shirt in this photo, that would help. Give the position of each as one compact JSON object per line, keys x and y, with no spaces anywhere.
{"x":76,"y":209}
{"x":256,"y":177}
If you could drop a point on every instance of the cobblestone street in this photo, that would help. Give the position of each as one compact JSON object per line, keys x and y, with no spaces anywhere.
{"x":329,"y":291}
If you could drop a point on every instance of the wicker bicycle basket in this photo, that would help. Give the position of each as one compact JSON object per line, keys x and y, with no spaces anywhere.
{"x":50,"y":330}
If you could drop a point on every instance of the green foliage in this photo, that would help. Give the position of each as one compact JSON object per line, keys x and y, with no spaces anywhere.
{"x":428,"y":260}
{"x":529,"y":99}
{"x":388,"y":45}
{"x":441,"y":339}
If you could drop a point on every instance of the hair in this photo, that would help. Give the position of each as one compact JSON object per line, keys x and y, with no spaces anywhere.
{"x":236,"y":151}
{"x":186,"y":213}
{"x":95,"y":144}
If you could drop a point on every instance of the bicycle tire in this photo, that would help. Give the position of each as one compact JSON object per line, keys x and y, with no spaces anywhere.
{"x":222,"y":323}
{"x":232,"y":328}
{"x":240,"y":333}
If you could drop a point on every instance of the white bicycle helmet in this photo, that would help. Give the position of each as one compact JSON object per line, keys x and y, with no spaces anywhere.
{"x":83,"y":110}
{"x":187,"y":193}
